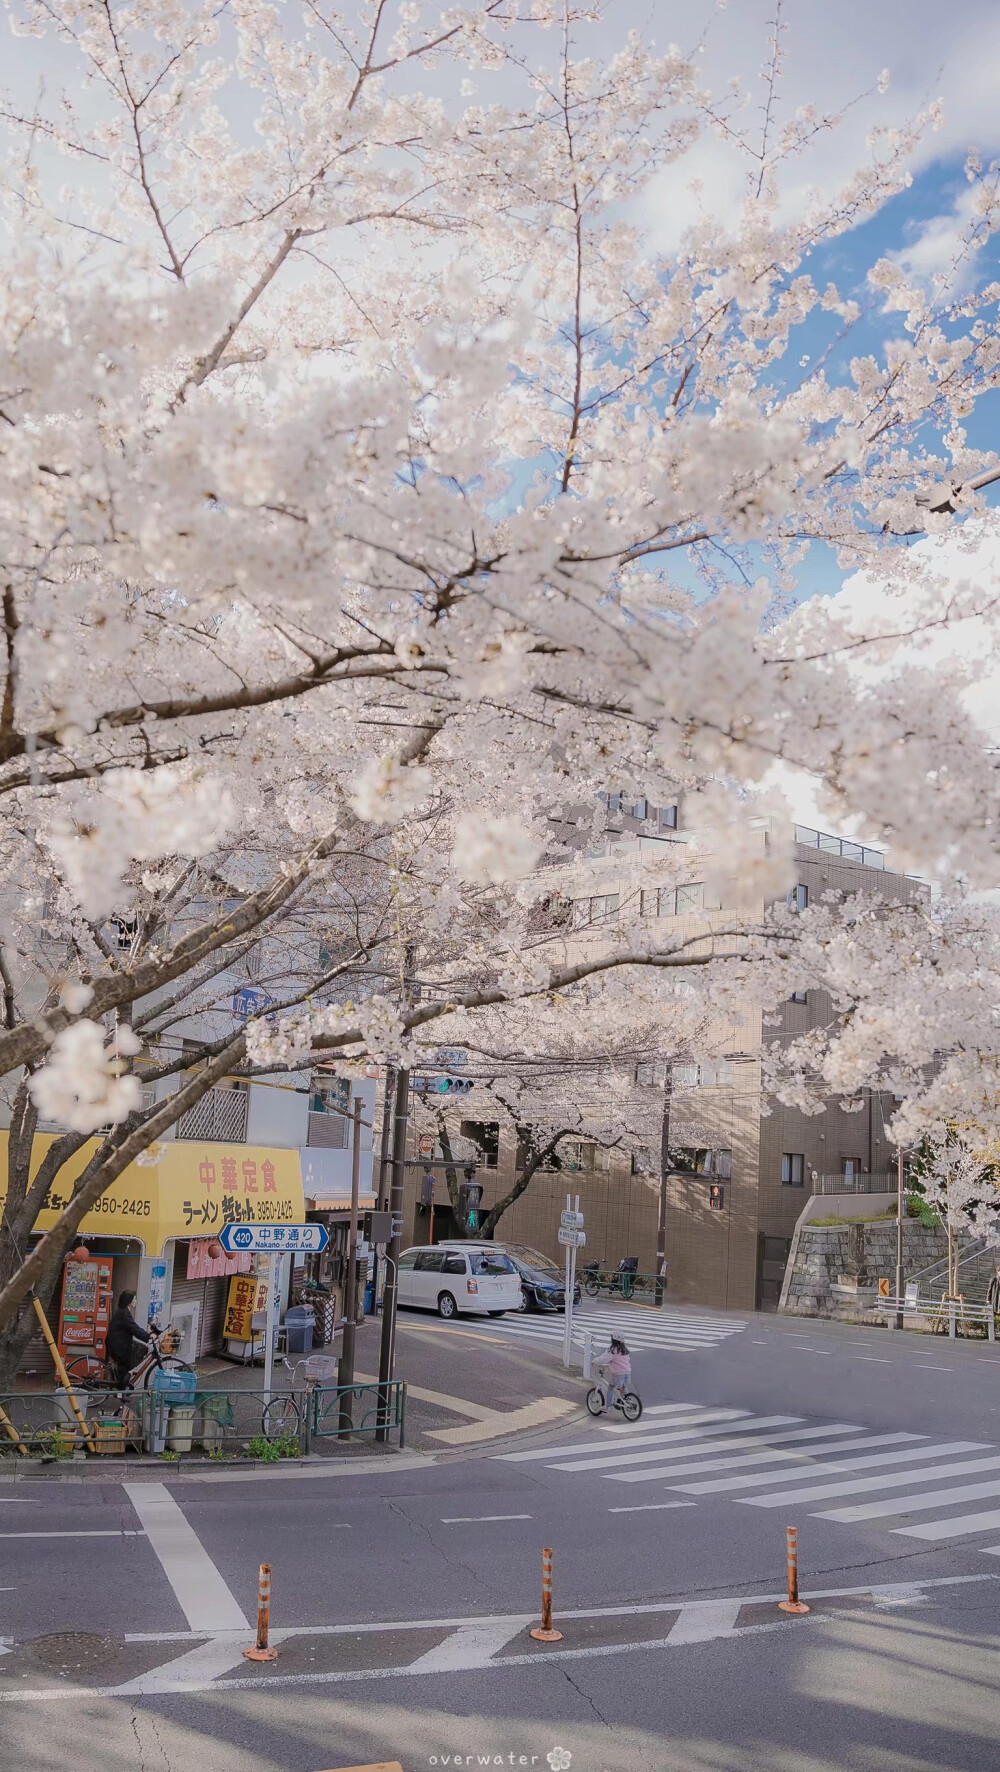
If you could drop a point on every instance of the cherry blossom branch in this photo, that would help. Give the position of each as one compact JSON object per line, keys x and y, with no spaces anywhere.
{"x":54,"y":1241}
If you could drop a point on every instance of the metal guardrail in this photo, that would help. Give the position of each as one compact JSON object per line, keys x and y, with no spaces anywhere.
{"x":879,"y":1183}
{"x":842,"y":846}
{"x":953,"y":1312}
{"x":618,"y":1285}
{"x":217,"y":1424}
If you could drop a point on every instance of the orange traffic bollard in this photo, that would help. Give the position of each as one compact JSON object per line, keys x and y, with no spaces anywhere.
{"x":260,"y":1651}
{"x":793,"y":1603}
{"x":543,"y":1633}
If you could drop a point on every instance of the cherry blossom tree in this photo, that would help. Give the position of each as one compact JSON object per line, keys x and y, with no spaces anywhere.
{"x":377,"y":491}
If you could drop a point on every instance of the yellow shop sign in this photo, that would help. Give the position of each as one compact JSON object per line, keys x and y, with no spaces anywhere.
{"x":177,"y":1189}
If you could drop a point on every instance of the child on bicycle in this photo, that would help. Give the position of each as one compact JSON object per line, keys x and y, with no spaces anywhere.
{"x":619,"y":1369}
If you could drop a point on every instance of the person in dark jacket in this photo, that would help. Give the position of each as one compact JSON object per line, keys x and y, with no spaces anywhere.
{"x":123,"y":1333}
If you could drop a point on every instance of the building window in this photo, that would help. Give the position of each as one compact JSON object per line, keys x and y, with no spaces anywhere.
{"x":692,"y":1161}
{"x":679,"y":901}
{"x":793,"y":1165}
{"x":799,"y":997}
{"x":711,"y":1073}
{"x":691,"y":898}
{"x":852,"y":1168}
{"x":798,"y":898}
{"x":667,"y":818}
{"x":594,"y":910}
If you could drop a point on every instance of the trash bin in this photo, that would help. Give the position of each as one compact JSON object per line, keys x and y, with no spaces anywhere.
{"x":299,"y":1326}
{"x":168,"y":1390}
{"x":180,"y":1428}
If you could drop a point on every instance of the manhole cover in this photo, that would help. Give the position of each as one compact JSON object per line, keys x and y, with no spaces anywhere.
{"x":73,"y":1651}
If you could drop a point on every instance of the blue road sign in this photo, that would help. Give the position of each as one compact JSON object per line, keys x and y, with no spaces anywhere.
{"x":274,"y":1239}
{"x":248,"y":1002}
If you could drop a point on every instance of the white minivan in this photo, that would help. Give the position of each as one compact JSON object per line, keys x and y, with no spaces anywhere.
{"x":476,"y":1278}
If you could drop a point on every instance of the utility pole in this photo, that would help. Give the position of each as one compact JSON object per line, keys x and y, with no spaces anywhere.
{"x":661,"y":1222}
{"x":387,"y":1350}
{"x":345,"y":1374}
{"x":382,"y":1190}
{"x":899,"y":1240}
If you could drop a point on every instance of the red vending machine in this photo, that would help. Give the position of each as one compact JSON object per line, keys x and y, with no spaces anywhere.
{"x":85,"y":1310}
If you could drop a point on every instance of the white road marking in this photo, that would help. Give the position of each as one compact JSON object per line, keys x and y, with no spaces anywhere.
{"x":951,"y":1528}
{"x":196,"y":1669}
{"x":650,"y":1507}
{"x":102,"y":1534}
{"x":605,"y":1460}
{"x":698,"y":1621}
{"x":924,"y":1368}
{"x":862,"y":1485}
{"x":199,"y":1589}
{"x":873,"y":1360}
{"x":693,"y":1418}
{"x":472,"y":1646}
{"x":721,"y":1485}
{"x":913,"y":1504}
{"x":700,"y":1448}
{"x":786,"y":1453}
{"x":704,"y":1621}
{"x":480,"y":1519}
{"x":633,"y":1438}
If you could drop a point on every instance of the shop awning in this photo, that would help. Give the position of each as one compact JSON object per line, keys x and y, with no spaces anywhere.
{"x":178,"y":1189}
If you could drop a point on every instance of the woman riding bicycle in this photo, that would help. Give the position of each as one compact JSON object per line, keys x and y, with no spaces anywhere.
{"x":123,"y":1333}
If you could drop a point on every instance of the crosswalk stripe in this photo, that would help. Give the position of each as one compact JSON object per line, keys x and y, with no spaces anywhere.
{"x":966,"y":1523}
{"x":666,"y":1433}
{"x":736,"y":1421}
{"x":604,"y":1458}
{"x":898,"y":1479}
{"x":699,"y":1448}
{"x":644,"y":1330}
{"x":912,"y":1504}
{"x":721,"y":1485}
{"x":806,"y":1468}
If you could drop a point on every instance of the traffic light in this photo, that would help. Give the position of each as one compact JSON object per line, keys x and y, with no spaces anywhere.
{"x":470,"y":1195}
{"x":443,"y":1085}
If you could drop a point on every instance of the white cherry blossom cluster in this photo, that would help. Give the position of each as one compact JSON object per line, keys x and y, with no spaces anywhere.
{"x":82,"y":1083}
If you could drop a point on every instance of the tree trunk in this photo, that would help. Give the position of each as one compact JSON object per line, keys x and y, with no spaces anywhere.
{"x":451,"y":1176}
{"x":528,"y":1171}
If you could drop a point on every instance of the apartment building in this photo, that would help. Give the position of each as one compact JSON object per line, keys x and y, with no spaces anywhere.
{"x":740,"y":1168}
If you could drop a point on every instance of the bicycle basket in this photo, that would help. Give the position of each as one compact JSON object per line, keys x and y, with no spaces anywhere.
{"x":321,"y":1369}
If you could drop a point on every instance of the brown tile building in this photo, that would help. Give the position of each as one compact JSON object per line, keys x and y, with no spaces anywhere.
{"x":732,"y":1197}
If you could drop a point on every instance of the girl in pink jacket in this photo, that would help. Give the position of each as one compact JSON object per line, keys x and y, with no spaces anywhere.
{"x":619,"y":1370}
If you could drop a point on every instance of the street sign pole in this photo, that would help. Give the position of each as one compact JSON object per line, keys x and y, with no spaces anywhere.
{"x":345,"y":1374}
{"x":269,"y":1324}
{"x":568,"y":1311}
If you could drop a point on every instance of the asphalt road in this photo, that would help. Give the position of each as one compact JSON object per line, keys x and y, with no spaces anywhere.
{"x":403,"y":1590}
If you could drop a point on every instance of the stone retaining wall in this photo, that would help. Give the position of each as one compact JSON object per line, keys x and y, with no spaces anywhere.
{"x":822,"y":1255}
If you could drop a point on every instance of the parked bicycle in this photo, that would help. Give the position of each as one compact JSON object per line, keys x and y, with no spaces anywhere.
{"x":628,"y":1401}
{"x":620,"y":1284}
{"x":90,"y":1374}
{"x":284,"y":1414}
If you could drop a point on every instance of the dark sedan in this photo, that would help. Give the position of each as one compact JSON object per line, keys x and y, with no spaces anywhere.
{"x":543,"y":1287}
